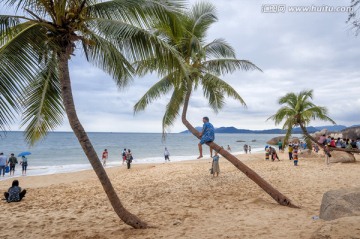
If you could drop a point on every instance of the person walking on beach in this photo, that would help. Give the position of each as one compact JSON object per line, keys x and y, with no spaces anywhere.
{"x":215,"y":165}
{"x":249,"y":149}
{"x":290,"y":149}
{"x":24,"y":164}
{"x":3,"y":163}
{"x":280,"y":145}
{"x":124,"y":156}
{"x":105,"y":156}
{"x":14,"y":194}
{"x":129,"y":158}
{"x":207,"y":135}
{"x":12,"y":161}
{"x":166,"y":154}
{"x":228,"y":148}
{"x":245,"y":148}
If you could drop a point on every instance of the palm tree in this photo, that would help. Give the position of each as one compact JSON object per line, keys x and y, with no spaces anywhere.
{"x":204,"y":65}
{"x":298,"y":110}
{"x":35,"y":49}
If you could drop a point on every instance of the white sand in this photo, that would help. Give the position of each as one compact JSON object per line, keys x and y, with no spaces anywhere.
{"x":182,"y":200}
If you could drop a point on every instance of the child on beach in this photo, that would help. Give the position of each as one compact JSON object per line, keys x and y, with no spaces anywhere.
{"x":295,"y":155}
{"x":215,"y":165}
{"x":267,"y":153}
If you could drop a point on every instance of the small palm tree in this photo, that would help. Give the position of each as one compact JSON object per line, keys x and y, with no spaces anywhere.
{"x":204,"y":65}
{"x":298,"y":111}
{"x":35,"y":49}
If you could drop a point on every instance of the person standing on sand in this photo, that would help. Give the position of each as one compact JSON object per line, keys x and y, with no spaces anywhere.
{"x":105,"y":156}
{"x":295,"y":155}
{"x":124,"y":156}
{"x":267,"y":153}
{"x":280,"y":144}
{"x":24,"y":164}
{"x":12,"y":161}
{"x":245,"y":148}
{"x":14,"y":194}
{"x":327,"y":155}
{"x":3,"y":163}
{"x":166,"y":154}
{"x":290,"y":149}
{"x":207,"y":135}
{"x":215,"y":165}
{"x":249,"y":149}
{"x":228,"y":148}
{"x":129,"y":158}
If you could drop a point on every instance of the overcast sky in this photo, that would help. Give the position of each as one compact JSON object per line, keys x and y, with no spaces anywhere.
{"x":296,"y":51}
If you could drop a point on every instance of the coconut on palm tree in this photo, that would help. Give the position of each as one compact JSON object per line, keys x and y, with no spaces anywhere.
{"x":205,"y":63}
{"x":299,"y":111}
{"x":37,"y":44}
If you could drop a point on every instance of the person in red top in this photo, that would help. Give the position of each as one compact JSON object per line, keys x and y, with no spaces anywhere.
{"x":332,"y":142}
{"x":105,"y":156}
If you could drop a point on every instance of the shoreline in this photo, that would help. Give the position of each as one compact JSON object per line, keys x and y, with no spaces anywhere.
{"x":71,"y":168}
{"x":182,"y":200}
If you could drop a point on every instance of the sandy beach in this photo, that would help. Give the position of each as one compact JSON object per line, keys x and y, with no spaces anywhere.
{"x":182,"y":200}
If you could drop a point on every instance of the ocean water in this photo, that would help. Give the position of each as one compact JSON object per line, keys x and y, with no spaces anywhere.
{"x":60,"y":152}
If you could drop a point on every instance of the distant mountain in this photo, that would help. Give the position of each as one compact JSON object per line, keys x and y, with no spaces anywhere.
{"x":310,"y":129}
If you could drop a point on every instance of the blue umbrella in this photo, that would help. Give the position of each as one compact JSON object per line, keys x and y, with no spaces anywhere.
{"x":24,"y":154}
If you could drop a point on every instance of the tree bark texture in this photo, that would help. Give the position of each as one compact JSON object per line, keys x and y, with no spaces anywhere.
{"x":86,"y":145}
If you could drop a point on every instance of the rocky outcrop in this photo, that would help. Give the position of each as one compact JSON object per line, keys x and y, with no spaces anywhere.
{"x":341,"y":157}
{"x":317,"y":135}
{"x":340,"y":203}
{"x":275,"y":140}
{"x":351,"y":133}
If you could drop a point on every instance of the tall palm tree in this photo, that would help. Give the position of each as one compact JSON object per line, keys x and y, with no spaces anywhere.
{"x":298,"y":110}
{"x":204,"y":65}
{"x":35,"y":49}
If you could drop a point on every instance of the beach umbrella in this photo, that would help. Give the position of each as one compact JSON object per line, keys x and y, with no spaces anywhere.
{"x":24,"y":154}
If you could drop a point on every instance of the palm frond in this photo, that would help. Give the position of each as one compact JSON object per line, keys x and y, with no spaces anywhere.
{"x":219,"y":48}
{"x":43,"y":107}
{"x":215,"y":89}
{"x":161,"y":88}
{"x":173,"y":108}
{"x":224,"y":66}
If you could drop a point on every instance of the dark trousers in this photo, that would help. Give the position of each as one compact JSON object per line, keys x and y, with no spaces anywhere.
{"x":21,"y":195}
{"x":290,"y":156}
{"x":128,"y":163}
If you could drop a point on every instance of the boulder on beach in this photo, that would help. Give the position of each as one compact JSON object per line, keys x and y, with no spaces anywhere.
{"x":341,"y":157}
{"x":340,"y":203}
{"x":275,"y":140}
{"x":317,"y":134}
{"x":351,"y":133}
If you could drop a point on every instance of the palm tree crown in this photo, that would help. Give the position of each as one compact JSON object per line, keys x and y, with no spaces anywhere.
{"x":204,"y":64}
{"x":111,"y":34}
{"x":298,"y":110}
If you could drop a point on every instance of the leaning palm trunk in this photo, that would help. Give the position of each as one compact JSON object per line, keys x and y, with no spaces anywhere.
{"x":275,"y":194}
{"x":306,"y":133}
{"x":89,"y":150}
